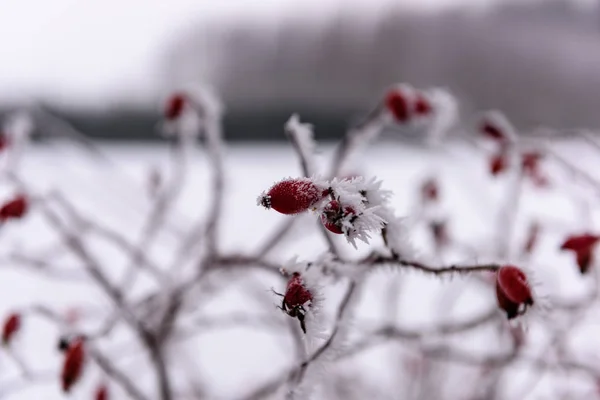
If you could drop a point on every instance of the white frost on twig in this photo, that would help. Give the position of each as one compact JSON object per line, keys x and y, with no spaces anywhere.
{"x":445,"y":115}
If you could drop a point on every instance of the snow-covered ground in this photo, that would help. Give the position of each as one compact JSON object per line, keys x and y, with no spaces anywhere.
{"x":231,"y":361}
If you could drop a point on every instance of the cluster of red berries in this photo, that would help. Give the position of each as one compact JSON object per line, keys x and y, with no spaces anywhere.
{"x":74,"y":355}
{"x":495,"y":128}
{"x":296,"y":195}
{"x":405,"y":104}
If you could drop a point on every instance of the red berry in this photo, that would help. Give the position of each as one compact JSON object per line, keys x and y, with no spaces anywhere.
{"x":430,"y":191}
{"x":530,"y":161}
{"x":101,"y":393}
{"x":491,"y":131}
{"x":292,"y":196}
{"x":422,"y":106}
{"x":397,"y":104}
{"x":583,"y":246}
{"x":12,"y":324}
{"x":512,"y":291}
{"x":530,"y":164}
{"x":174,"y":106}
{"x":15,"y":208}
{"x":296,"y":294}
{"x":73,"y":364}
{"x":333,"y":216}
{"x":498,"y":164}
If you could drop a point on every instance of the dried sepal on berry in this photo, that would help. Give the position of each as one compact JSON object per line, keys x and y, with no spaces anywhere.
{"x":12,"y":325}
{"x":513,"y":291}
{"x":73,"y":364}
{"x":583,"y":246}
{"x":293,"y":195}
{"x":15,"y":208}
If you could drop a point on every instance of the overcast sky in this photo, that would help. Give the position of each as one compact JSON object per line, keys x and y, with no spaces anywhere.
{"x":91,"y":51}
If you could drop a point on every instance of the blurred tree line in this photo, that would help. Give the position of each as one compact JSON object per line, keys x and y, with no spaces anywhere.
{"x":539,"y":62}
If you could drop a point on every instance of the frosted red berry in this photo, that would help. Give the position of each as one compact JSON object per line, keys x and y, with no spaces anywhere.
{"x":101,"y":393}
{"x":422,"y":106}
{"x":174,"y":106}
{"x":430,"y":191}
{"x":583,"y":246}
{"x":296,"y":294}
{"x":498,"y":164}
{"x":14,"y":209}
{"x":491,"y":131}
{"x":530,"y":165}
{"x":513,"y":291}
{"x":397,"y":104}
{"x":12,"y":324}
{"x":334,"y":215}
{"x":296,"y":297}
{"x":73,"y":364}
{"x":530,"y":161}
{"x":292,"y":196}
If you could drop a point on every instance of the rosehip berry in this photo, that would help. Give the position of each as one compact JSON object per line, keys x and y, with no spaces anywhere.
{"x":422,"y":106}
{"x":512,"y":291}
{"x":12,"y":324}
{"x":397,"y":104}
{"x":296,"y":293}
{"x":15,"y":208}
{"x":530,"y":164}
{"x":292,"y":196}
{"x":295,"y":297}
{"x":583,"y":246}
{"x":430,"y":191}
{"x":333,"y":216}
{"x":530,"y":161}
{"x":498,"y":164}
{"x":174,"y":106}
{"x":491,"y":131}
{"x":73,"y":364}
{"x":101,"y":393}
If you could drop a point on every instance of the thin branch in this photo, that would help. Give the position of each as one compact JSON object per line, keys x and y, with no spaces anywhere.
{"x":119,"y":377}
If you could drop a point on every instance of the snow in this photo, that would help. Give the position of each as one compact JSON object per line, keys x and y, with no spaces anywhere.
{"x":233,"y":360}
